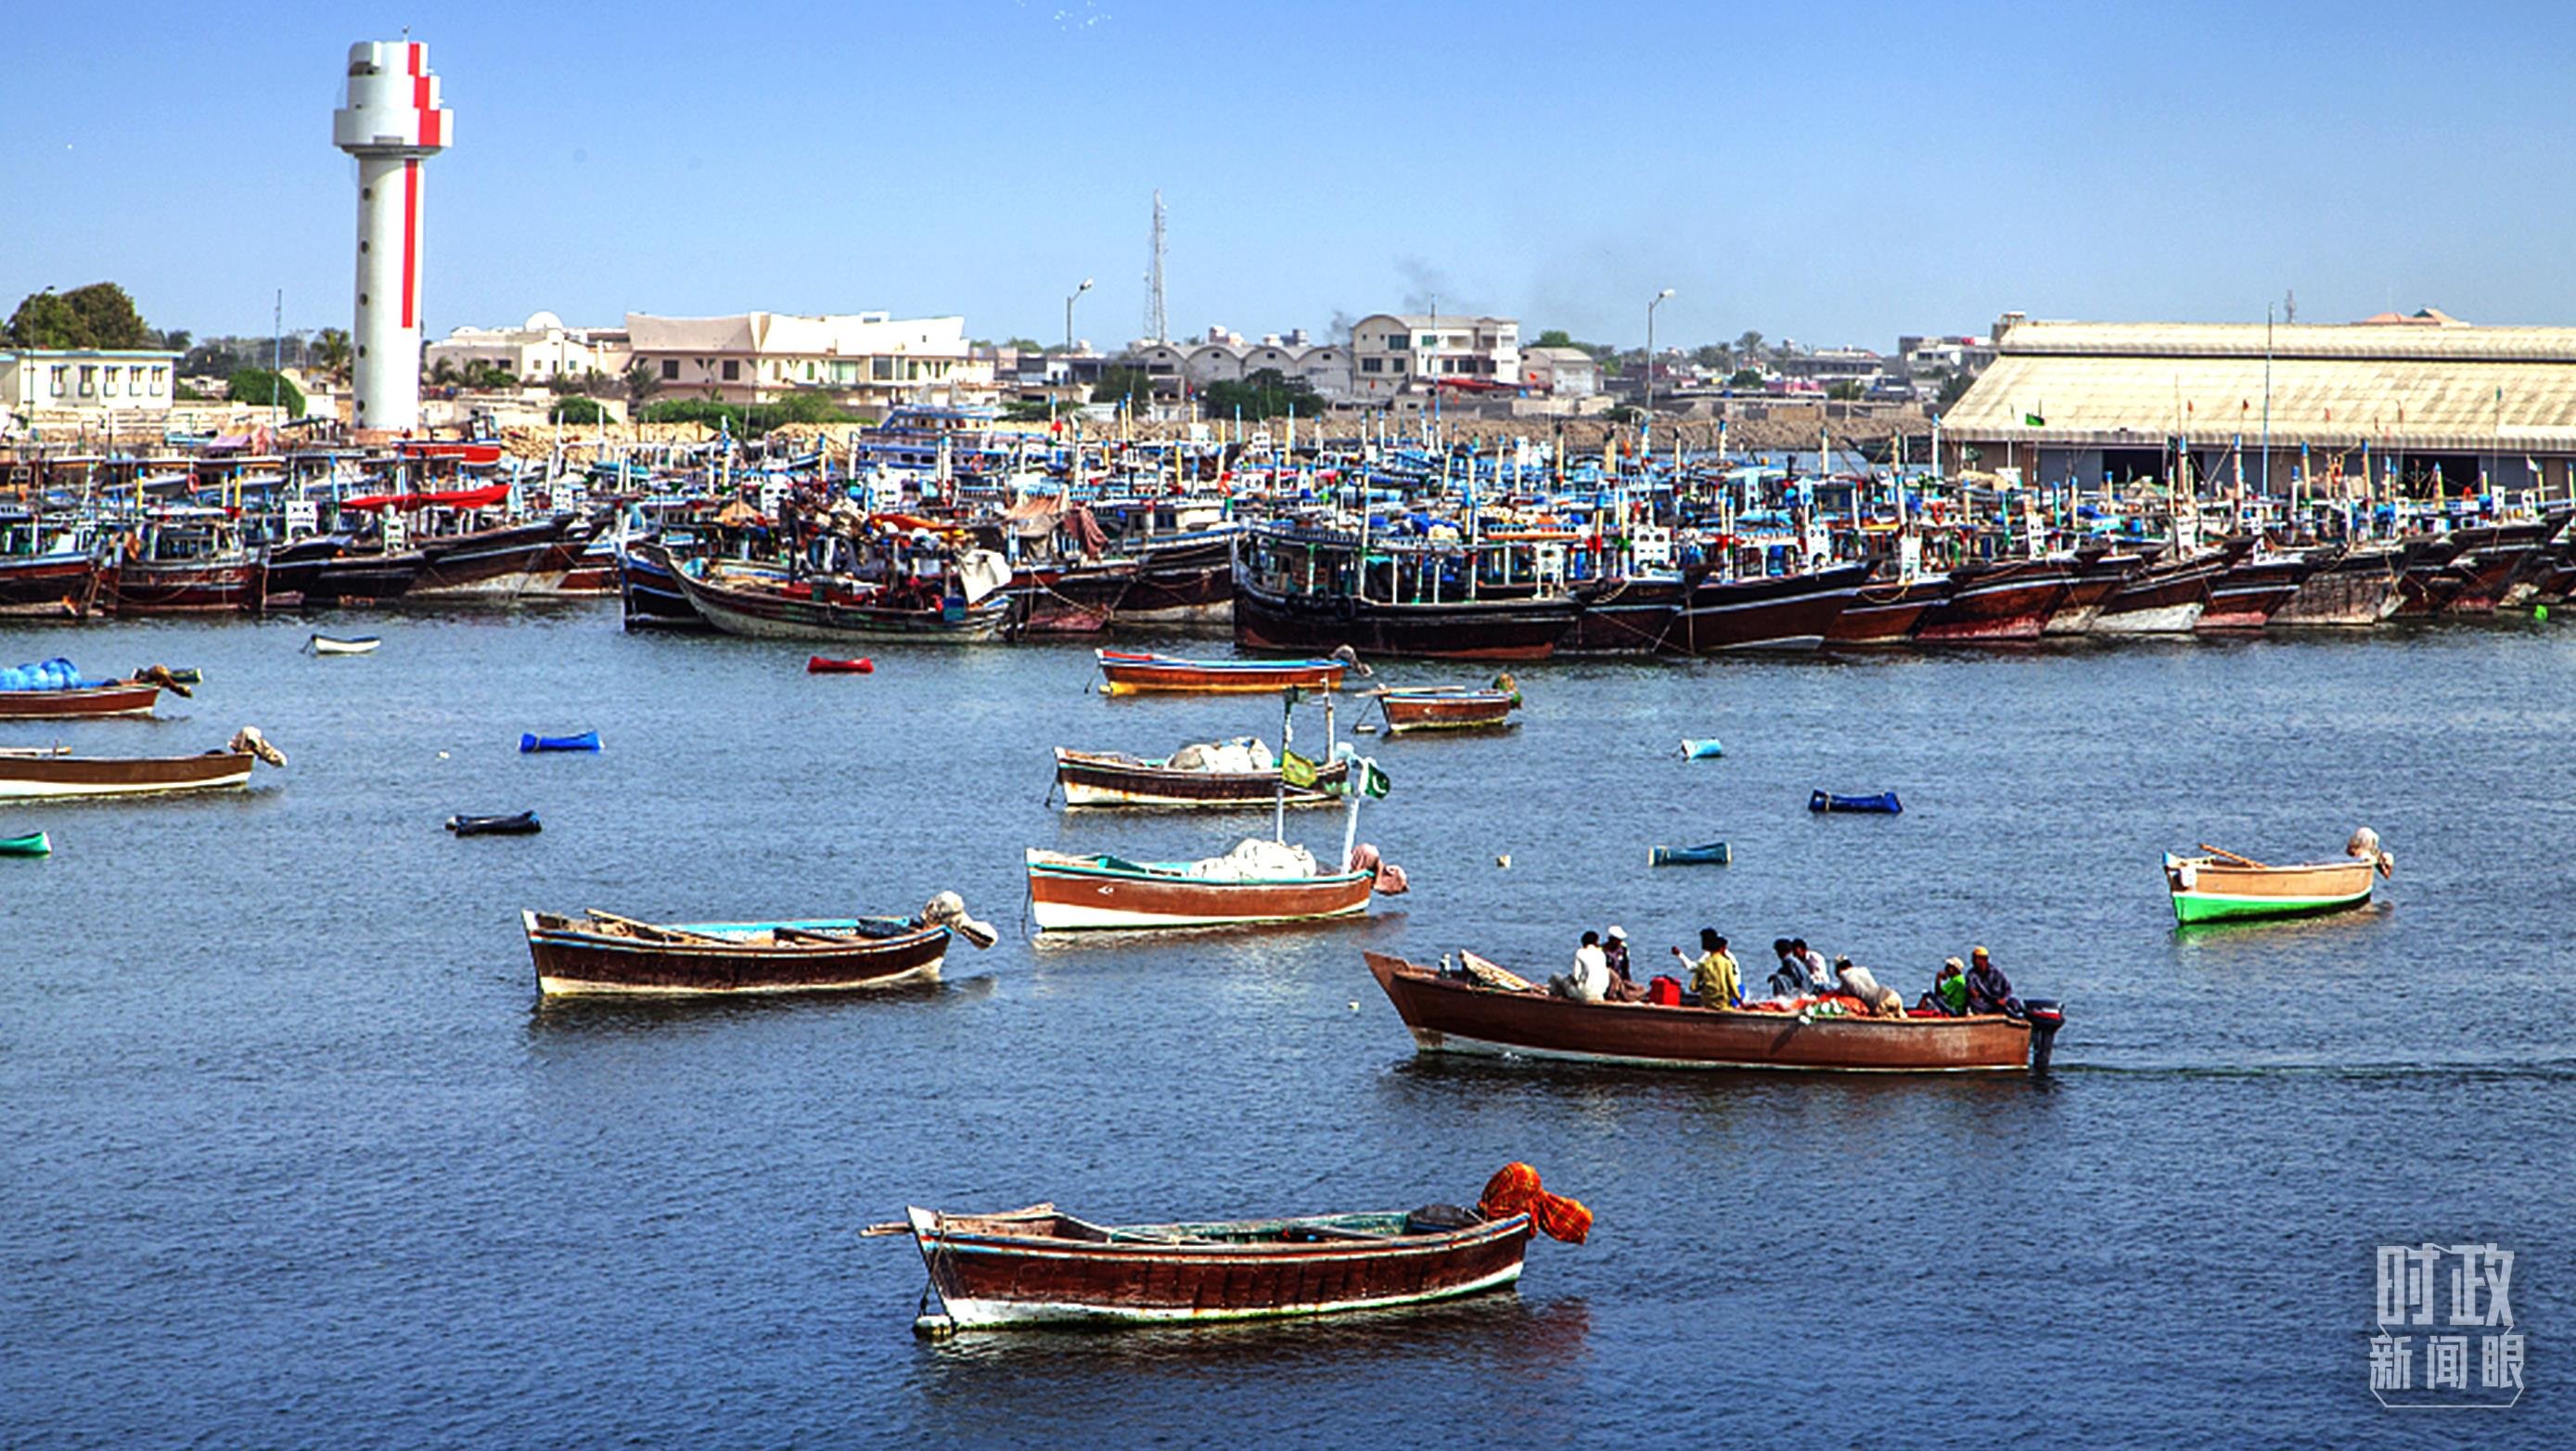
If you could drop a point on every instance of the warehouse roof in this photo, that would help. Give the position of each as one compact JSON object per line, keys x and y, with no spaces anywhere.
{"x":2422,"y":383}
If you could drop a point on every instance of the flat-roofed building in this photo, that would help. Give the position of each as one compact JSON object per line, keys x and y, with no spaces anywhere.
{"x":1563,"y":372}
{"x":1393,"y":352}
{"x":539,"y":350}
{"x":868,"y":358}
{"x":2418,"y":398}
{"x":87,"y":380}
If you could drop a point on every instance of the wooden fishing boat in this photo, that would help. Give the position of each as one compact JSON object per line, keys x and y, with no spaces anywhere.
{"x":1312,"y":590}
{"x":56,"y":583}
{"x":34,"y":843}
{"x":2244,"y":597}
{"x":1041,"y":1267}
{"x":2493,"y":557}
{"x":1886,"y":611}
{"x":1070,"y":893}
{"x":42,"y":773}
{"x":833,"y":608}
{"x":2221,"y":886}
{"x":1709,"y":854}
{"x":1108,"y":779}
{"x":1127,"y":672}
{"x":2099,"y":574}
{"x":1446,"y":707}
{"x":2432,"y":577}
{"x":523,"y":823}
{"x":2350,"y":588}
{"x":336,"y":645}
{"x":1882,"y":804}
{"x":1457,"y":1013}
{"x":650,"y":596}
{"x":116,"y":697}
{"x":507,"y":559}
{"x":2164,"y":598}
{"x":607,"y":954}
{"x":1998,"y":600}
{"x":586,"y":741}
{"x":1725,"y":614}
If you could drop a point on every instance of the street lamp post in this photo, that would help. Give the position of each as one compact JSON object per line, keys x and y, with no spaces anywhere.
{"x":1650,"y":350}
{"x":1068,"y":331}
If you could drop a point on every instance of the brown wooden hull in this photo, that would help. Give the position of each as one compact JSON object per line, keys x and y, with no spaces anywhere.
{"x":1991,"y":602}
{"x":24,"y":777}
{"x":1464,"y":710}
{"x":1448,"y":1014}
{"x":576,"y":957}
{"x":1096,"y":780}
{"x":2097,"y":578}
{"x":1776,"y":612}
{"x":2358,"y":589}
{"x":1096,"y":894}
{"x":994,"y":1272}
{"x":141,"y":587}
{"x":1133,"y":675}
{"x":2246,"y":595}
{"x":51,"y":584}
{"x":88,"y":700}
{"x":1886,"y":612}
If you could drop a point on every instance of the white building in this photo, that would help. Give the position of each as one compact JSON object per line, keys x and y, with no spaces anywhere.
{"x":87,"y":380}
{"x":1228,"y":357}
{"x":539,"y":350}
{"x":868,"y":358}
{"x":1564,"y":372}
{"x":1392,"y":352}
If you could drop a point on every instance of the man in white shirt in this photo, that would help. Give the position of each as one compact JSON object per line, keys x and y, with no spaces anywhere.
{"x":1590,"y":980}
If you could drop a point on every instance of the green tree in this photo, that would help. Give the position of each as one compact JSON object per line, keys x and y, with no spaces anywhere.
{"x":1027,"y":410}
{"x":1026,"y":345}
{"x":1745,"y":378}
{"x":265,"y":389}
{"x":100,"y":315}
{"x":1953,"y":388}
{"x":1555,"y":337}
{"x":1266,"y":394}
{"x":331,"y":350}
{"x":642,"y":382}
{"x":579,"y":410}
{"x":1844,"y":390}
{"x":1123,"y":385}
{"x":1750,"y":344}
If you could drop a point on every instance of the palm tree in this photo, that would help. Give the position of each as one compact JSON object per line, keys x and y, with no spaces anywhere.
{"x":332,"y":346}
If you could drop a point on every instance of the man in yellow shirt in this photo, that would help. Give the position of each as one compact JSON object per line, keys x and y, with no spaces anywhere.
{"x":1713,"y":976}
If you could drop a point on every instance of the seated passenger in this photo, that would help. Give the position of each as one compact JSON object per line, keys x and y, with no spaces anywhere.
{"x":1589,"y":982}
{"x":1713,"y":978}
{"x":1989,"y":991}
{"x":1614,"y":950}
{"x":1949,"y":995}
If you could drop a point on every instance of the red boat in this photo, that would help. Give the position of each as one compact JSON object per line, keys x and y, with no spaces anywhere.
{"x":826,"y":665}
{"x":1456,"y":1013}
{"x":1886,"y":612}
{"x":1129,"y":673}
{"x":2099,"y":574}
{"x":2001,"y":600}
{"x":1037,"y":1266}
{"x":1079,"y":893}
{"x":118,"y":697}
{"x":1447,"y":707}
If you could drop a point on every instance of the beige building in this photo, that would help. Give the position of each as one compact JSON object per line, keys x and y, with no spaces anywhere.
{"x":1564,"y":372}
{"x":868,"y":358}
{"x":1392,"y":352}
{"x":87,"y":380}
{"x":2412,"y":399}
{"x":539,"y":350}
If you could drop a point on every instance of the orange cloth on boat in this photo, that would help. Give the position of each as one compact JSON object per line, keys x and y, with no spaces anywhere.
{"x":1516,"y":1190}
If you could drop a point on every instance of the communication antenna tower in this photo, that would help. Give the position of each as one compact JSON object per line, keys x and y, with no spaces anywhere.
{"x":1157,"y":323}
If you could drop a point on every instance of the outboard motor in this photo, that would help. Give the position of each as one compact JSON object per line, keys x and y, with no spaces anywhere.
{"x":2046,"y":1017}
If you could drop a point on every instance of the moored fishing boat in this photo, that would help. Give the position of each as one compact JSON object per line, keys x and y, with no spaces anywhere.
{"x":1722,"y":614}
{"x":1315,"y":590}
{"x":1998,"y":600}
{"x":1447,"y":707}
{"x":1460,"y":1013}
{"x":603,"y":954}
{"x":1100,"y":892}
{"x":1182,"y":781}
{"x":2251,"y":588}
{"x":86,"y":701}
{"x":183,"y":560}
{"x":33,"y":774}
{"x":1886,"y":611}
{"x":2350,"y":588}
{"x":1040,"y":1267}
{"x":835,"y":607}
{"x":1127,"y":672}
{"x":2099,"y":574}
{"x":2220,"y":886}
{"x":2164,"y":598}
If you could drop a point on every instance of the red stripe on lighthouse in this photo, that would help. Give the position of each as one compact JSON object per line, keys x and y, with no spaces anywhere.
{"x":411,"y":241}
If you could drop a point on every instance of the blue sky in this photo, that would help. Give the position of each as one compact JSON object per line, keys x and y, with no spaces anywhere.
{"x":1832,"y":173}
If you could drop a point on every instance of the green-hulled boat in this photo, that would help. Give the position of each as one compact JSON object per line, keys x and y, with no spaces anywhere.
{"x":2225,"y":887}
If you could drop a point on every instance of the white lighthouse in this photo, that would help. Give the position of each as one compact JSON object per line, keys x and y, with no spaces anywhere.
{"x":393,"y":123}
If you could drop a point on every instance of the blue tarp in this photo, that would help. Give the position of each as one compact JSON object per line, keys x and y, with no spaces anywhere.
{"x":55,"y":674}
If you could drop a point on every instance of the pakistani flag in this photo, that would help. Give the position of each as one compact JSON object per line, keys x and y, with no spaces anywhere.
{"x":1365,"y":776}
{"x":1296,"y":770}
{"x":2033,"y":420}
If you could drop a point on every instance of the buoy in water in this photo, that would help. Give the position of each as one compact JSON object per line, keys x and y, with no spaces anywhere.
{"x":1505,"y":862}
{"x":2540,"y":612}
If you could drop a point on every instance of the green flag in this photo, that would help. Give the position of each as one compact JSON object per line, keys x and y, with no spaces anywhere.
{"x":1375,"y":782}
{"x":2033,"y":420}
{"x":1296,"y":770}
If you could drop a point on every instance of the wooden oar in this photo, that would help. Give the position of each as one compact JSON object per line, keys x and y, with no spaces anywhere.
{"x":904,"y":1226}
{"x":675,"y":934}
{"x":2242,"y":861}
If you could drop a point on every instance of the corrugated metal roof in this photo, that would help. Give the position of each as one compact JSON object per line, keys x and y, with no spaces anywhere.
{"x":2100,"y":384}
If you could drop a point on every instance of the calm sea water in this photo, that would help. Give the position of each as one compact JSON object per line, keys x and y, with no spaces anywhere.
{"x":292,"y":1155}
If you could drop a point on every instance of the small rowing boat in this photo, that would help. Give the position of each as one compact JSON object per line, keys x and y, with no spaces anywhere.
{"x":826,"y":665}
{"x":1486,"y":1011}
{"x":1242,"y":888}
{"x":1128,"y":673}
{"x":586,"y":741}
{"x":1711,"y":854}
{"x":1184,"y":780}
{"x":50,"y":773}
{"x":337,"y":645}
{"x":1882,"y":804}
{"x":603,"y":953}
{"x":2221,"y":886}
{"x":34,"y":843}
{"x":1037,"y":1266}
{"x":1448,"y":707}
{"x":80,"y":702}
{"x":524,"y":823}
